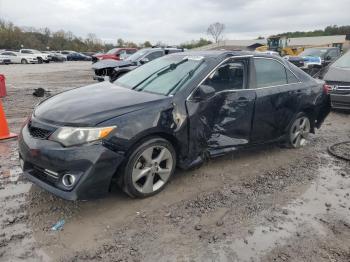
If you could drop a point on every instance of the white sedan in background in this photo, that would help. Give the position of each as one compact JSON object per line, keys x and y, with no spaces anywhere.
{"x":18,"y":58}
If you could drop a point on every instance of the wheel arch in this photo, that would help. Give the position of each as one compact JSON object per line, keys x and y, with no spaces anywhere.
{"x":117,"y":177}
{"x":311,"y":114}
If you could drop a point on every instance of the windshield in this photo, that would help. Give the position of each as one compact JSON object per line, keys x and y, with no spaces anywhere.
{"x":137,"y":55}
{"x":343,"y":61}
{"x":163,"y":76}
{"x":112,"y":51}
{"x":314,"y":52}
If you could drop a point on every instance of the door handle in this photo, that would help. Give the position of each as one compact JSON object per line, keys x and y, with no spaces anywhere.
{"x":243,"y":100}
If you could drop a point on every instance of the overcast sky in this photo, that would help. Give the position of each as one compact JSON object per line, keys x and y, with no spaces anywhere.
{"x":175,"y":21}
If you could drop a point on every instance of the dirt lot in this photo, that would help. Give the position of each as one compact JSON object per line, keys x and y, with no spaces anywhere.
{"x":261,"y":204}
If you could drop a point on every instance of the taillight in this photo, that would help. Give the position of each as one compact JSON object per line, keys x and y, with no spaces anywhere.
{"x":327,"y":89}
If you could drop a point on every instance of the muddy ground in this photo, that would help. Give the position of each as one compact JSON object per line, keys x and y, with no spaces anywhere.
{"x":261,"y":204}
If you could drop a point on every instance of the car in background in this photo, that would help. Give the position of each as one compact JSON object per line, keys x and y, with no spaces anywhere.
{"x":175,"y":111}
{"x":42,"y":57}
{"x":55,"y":57}
{"x":115,"y":53}
{"x":65,"y":53}
{"x":19,"y":58}
{"x":111,"y":69}
{"x":4,"y":59}
{"x":337,"y":77}
{"x":78,"y":57}
{"x":312,"y":60}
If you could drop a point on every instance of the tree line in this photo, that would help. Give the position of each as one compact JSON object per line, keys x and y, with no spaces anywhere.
{"x":14,"y":37}
{"x":329,"y":30}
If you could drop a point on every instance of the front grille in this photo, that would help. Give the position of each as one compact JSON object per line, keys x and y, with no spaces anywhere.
{"x":37,"y":132}
{"x":339,"y":88}
{"x":338,"y":83}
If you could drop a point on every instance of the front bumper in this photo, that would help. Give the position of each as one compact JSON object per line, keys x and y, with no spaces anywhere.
{"x":340,"y":101}
{"x":44,"y":162}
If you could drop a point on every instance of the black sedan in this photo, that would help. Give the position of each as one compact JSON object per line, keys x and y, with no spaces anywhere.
{"x":110,"y":69}
{"x":78,"y":57}
{"x":178,"y":110}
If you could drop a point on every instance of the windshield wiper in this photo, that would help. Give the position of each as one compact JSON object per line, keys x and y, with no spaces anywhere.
{"x":185,"y":77}
{"x":160,"y":72}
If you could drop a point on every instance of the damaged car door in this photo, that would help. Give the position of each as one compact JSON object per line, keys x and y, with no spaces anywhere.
{"x":221,"y":109}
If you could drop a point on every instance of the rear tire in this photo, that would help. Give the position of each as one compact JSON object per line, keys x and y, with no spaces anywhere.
{"x":24,"y":61}
{"x":299,"y":131}
{"x":149,"y":168}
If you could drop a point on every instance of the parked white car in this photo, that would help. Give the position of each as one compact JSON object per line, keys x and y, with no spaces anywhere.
{"x":42,"y":57}
{"x":18,"y":58}
{"x":4,"y":60}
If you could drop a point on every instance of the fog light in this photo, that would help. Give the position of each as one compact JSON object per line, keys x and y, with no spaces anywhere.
{"x":68,"y":180}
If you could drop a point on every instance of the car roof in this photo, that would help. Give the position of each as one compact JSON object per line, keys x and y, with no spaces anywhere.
{"x":225,"y":53}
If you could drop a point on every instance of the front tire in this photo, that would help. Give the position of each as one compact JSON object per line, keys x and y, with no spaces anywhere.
{"x":299,"y":131}
{"x":40,"y":60}
{"x":149,"y":168}
{"x":24,"y":61}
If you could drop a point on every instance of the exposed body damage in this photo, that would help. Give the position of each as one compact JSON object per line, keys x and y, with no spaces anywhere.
{"x":221,"y":106}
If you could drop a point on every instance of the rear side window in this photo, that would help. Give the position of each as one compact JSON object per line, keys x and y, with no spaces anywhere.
{"x":269,"y":72}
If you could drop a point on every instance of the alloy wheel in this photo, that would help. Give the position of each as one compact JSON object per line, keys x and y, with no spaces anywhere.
{"x":300,"y":132}
{"x":152,"y":169}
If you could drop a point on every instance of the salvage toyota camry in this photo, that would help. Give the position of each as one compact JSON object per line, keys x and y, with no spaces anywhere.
{"x":176,"y":111}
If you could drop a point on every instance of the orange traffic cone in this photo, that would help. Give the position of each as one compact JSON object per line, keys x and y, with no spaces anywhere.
{"x":4,"y":129}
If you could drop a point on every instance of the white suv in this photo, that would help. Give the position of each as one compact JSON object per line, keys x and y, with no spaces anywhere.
{"x":18,"y":58}
{"x":42,"y":57}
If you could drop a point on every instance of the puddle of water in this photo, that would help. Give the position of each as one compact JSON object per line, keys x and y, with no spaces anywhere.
{"x":329,"y":188}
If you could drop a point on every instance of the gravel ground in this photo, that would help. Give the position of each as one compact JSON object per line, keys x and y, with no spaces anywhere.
{"x":260,"y":204}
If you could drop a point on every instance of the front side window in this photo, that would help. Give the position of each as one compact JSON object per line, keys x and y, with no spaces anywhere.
{"x":269,"y":72}
{"x":164,"y":76}
{"x":154,"y":55}
{"x":130,"y":51}
{"x":228,"y":76}
{"x":332,"y":54}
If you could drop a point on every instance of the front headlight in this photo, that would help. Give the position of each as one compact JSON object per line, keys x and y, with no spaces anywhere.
{"x":71,"y":136}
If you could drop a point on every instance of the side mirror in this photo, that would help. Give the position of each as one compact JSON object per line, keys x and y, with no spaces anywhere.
{"x":203,"y":92}
{"x":328,"y":58}
{"x":144,"y":60}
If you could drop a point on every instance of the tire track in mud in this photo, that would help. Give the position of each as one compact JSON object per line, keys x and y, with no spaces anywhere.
{"x":239,"y":222}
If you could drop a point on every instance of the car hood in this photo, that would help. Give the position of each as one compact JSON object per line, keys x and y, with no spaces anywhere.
{"x":110,"y":63}
{"x":93,"y":104}
{"x":337,"y":74}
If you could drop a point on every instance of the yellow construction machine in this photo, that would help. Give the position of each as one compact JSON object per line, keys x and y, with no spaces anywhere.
{"x":280,"y":44}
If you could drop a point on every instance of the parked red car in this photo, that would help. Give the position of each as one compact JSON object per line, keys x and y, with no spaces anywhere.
{"x":115,"y":53}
